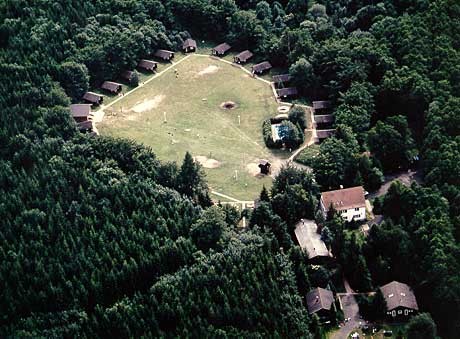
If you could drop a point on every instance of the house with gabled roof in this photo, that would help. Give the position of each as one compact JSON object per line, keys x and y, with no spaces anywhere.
{"x":400,"y":300}
{"x":350,"y":203}
{"x":321,"y":302}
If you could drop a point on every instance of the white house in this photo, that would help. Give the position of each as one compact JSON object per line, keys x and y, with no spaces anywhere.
{"x":349,"y":202}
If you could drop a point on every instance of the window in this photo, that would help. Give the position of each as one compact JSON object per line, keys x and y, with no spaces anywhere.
{"x":399,"y":312}
{"x":406,"y":312}
{"x":357,"y":209}
{"x":393,"y":313}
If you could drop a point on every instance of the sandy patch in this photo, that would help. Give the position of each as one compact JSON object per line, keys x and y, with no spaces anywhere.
{"x":147,"y":105}
{"x":253,"y":169}
{"x":206,"y":162}
{"x":209,"y":70}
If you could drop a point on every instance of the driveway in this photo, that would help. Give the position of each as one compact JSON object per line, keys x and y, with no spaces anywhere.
{"x":350,"y":310}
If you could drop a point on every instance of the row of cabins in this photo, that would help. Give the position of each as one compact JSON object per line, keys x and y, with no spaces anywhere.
{"x":399,"y":297}
{"x":323,"y":120}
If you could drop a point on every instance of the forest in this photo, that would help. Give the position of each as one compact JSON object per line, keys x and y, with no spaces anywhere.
{"x":99,"y":238}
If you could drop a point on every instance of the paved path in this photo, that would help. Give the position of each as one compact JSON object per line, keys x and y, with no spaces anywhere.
{"x":350,"y":310}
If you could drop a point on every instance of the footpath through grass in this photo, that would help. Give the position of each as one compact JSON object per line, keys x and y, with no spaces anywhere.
{"x":228,"y":141}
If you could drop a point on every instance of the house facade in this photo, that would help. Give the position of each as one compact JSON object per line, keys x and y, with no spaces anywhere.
{"x":400,"y":300}
{"x":350,"y":203}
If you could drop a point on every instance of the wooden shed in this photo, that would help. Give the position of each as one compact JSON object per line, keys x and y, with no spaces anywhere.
{"x":164,"y":54}
{"x":147,"y":65}
{"x":287,"y":92}
{"x":243,"y":57}
{"x":93,"y":98}
{"x":321,"y":105}
{"x":189,"y":45}
{"x":80,"y":112}
{"x":221,"y":49}
{"x":261,"y":67}
{"x":264,"y":166}
{"x":127,"y":75}
{"x":113,"y":87}
{"x":85,"y":126}
{"x":281,"y":78}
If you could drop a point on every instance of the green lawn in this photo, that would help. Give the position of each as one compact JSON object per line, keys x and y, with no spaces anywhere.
{"x":196,"y":123}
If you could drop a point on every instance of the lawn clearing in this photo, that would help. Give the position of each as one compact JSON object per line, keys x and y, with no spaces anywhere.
{"x":226,"y":140}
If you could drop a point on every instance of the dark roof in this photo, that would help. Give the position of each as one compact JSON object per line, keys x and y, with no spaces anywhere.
{"x":319,"y":299}
{"x":164,"y":54}
{"x":80,"y":110}
{"x":244,"y":56}
{"x":189,"y":43}
{"x":306,"y":232}
{"x":111,"y":86}
{"x":344,"y":199}
{"x":222,"y":48}
{"x":127,"y":75}
{"x":147,"y":64}
{"x":92,"y":97}
{"x":263,"y":162}
{"x":85,"y":125}
{"x":325,"y":133}
{"x":282,"y":78}
{"x":321,"y":104}
{"x":289,"y":91}
{"x":397,"y":294}
{"x":324,"y":119}
{"x":263,"y":66}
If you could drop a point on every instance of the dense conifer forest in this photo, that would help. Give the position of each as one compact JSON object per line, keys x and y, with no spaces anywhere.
{"x":99,"y":238}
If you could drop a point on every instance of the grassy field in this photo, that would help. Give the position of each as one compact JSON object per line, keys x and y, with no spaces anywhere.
{"x":196,"y":122}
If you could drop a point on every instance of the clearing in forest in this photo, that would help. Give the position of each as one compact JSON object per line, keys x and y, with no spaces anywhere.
{"x":204,"y":106}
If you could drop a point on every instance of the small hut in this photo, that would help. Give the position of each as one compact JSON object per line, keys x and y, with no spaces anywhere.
{"x":281,"y":79}
{"x":164,"y":54}
{"x":221,"y":49}
{"x":147,"y":65}
{"x":243,"y":57}
{"x":264,"y":166}
{"x":93,"y":98}
{"x":85,"y":126}
{"x":321,"y":105}
{"x":261,"y":68}
{"x":189,"y":45}
{"x":113,"y":87}
{"x":127,"y":75}
{"x":324,"y":134}
{"x":80,"y":112}
{"x":287,"y":92}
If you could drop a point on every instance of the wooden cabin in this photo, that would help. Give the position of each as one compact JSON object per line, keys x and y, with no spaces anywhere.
{"x":189,"y":45}
{"x":93,"y":98}
{"x":112,"y":87}
{"x":147,"y":65}
{"x":261,"y":67}
{"x":127,"y":75}
{"x":164,"y":55}
{"x":281,"y":79}
{"x":287,"y":92}
{"x":243,"y":57}
{"x":221,"y":49}
{"x":80,"y":112}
